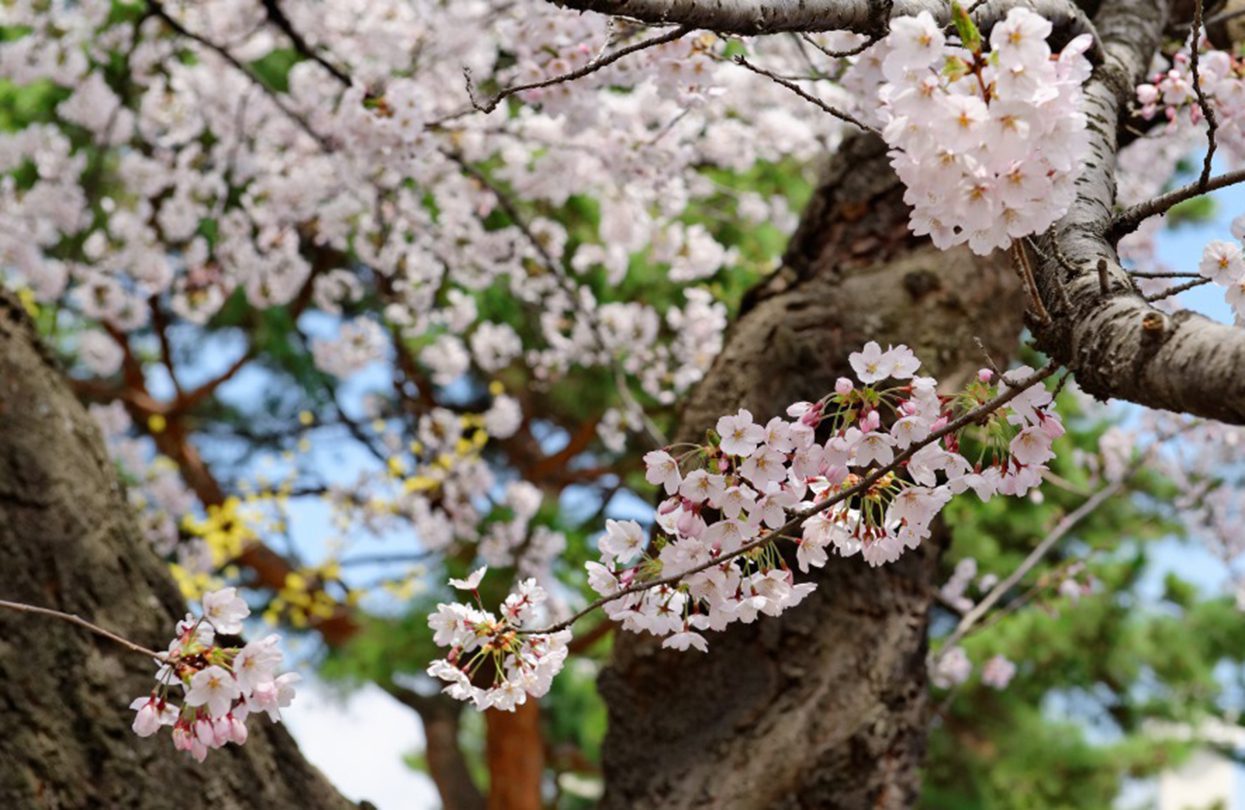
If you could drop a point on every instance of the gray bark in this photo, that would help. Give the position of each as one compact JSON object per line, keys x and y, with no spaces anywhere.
{"x":69,"y":543}
{"x":754,"y":17}
{"x":1117,"y":344}
{"x":826,"y":706}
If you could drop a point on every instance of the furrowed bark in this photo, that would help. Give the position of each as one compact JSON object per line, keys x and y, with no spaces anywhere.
{"x":826,"y":706}
{"x":69,"y":543}
{"x":447,"y":765}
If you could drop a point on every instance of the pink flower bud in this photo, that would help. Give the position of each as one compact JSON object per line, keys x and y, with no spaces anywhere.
{"x":1052,"y":427}
{"x":183,"y":739}
{"x":985,"y":375}
{"x":843,"y":386}
{"x":237,"y":730}
{"x":147,"y":721}
{"x":796,"y":409}
{"x":205,"y":733}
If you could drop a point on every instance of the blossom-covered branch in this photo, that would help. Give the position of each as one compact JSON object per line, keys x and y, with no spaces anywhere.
{"x":756,"y":480}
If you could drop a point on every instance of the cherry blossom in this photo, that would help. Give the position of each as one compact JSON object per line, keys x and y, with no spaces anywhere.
{"x":988,"y":144}
{"x":220,"y":686}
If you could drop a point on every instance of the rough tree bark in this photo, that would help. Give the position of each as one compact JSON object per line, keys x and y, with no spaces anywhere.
{"x":826,"y":706}
{"x":69,"y":543}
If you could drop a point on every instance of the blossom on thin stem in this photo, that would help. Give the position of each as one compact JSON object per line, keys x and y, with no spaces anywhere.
{"x":715,"y":558}
{"x":221,"y":686}
{"x":485,"y":649}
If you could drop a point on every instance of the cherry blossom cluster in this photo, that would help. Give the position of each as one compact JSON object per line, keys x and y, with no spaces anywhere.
{"x":741,"y":491}
{"x":1146,"y":164}
{"x":220,"y":686}
{"x":1170,"y":94}
{"x":1204,"y":466}
{"x":493,"y":662}
{"x":987,"y":142}
{"x":1223,"y":263}
{"x":862,"y":471}
{"x":171,"y":190}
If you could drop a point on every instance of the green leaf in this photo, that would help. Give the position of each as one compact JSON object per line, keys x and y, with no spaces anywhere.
{"x":966,"y":28}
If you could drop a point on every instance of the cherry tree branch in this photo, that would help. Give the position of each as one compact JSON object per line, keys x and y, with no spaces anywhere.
{"x":1061,"y":530}
{"x":861,"y":48}
{"x":1208,"y":112}
{"x":1179,"y":288}
{"x":802,"y":93}
{"x":579,"y":73}
{"x":159,"y":11}
{"x":277,"y":17}
{"x":964,"y":420}
{"x":1114,"y":341}
{"x":1127,"y":220}
{"x":754,"y":17}
{"x":22,"y":607}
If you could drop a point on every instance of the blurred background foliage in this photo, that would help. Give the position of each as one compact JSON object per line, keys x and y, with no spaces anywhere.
{"x":1095,"y":674}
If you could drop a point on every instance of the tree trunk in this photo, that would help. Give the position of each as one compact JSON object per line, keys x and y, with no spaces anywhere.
{"x":826,"y":706}
{"x":69,"y":542}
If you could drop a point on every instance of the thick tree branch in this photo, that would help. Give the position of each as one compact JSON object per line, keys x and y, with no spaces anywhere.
{"x":752,"y":17}
{"x":1103,"y":329}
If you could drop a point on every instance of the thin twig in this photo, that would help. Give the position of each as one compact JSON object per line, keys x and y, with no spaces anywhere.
{"x":1056,"y":534}
{"x":1064,"y":301}
{"x":592,"y":67}
{"x":1179,"y":288}
{"x":1156,"y":274}
{"x":1127,"y":220}
{"x":1025,"y":268}
{"x":798,"y":518}
{"x":1203,"y":103}
{"x":799,"y":91}
{"x":21,"y":607}
{"x":861,"y":48}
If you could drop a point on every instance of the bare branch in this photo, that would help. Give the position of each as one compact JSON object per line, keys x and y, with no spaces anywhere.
{"x":1039,"y":551}
{"x":1025,"y":268}
{"x":1149,"y":274}
{"x":1179,"y":288}
{"x":861,"y":48}
{"x":1203,"y":103}
{"x":21,"y":607}
{"x":799,"y":91}
{"x":579,"y":73}
{"x":1127,"y":221}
